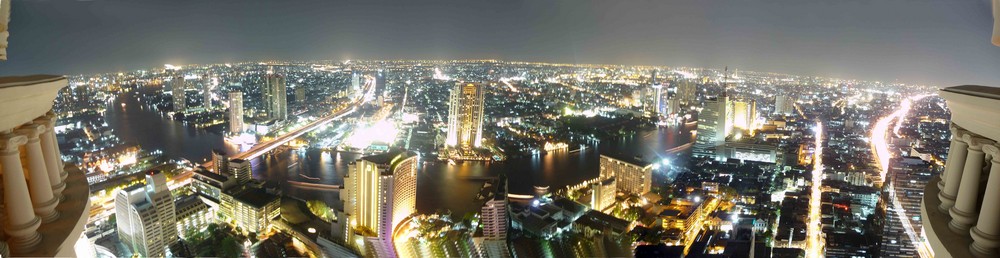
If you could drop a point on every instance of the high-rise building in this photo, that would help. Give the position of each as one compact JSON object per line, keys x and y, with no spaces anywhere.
{"x":465,"y":116}
{"x":744,"y":114}
{"x":686,"y":93}
{"x":235,"y":112}
{"x":177,"y":90}
{"x":146,"y":217}
{"x":206,"y":91}
{"x":45,"y":202}
{"x":632,"y":175}
{"x":712,"y":126}
{"x":784,"y":105}
{"x":495,"y":219}
{"x":902,"y":195}
{"x":240,"y":169}
{"x":300,"y":95}
{"x":603,"y":194}
{"x":355,"y":83}
{"x":276,"y":97}
{"x":220,"y":161}
{"x":379,"y":193}
{"x":960,"y":217}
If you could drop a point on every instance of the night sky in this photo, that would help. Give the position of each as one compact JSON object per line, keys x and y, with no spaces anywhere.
{"x":940,"y":42}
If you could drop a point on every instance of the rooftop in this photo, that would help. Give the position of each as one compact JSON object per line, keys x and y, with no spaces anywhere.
{"x":976,"y":90}
{"x":631,"y":159}
{"x":256,"y":197}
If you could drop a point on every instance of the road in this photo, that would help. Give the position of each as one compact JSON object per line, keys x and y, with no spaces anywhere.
{"x":882,"y":153}
{"x":814,"y":233}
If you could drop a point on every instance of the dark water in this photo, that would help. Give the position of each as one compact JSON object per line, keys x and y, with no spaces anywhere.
{"x":440,"y":186}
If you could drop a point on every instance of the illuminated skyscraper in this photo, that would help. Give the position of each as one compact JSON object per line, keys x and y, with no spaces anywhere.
{"x":220,"y":161}
{"x":783,"y":105}
{"x":743,"y":114}
{"x":177,"y":89}
{"x":276,"y":97}
{"x":712,"y":126}
{"x":235,"y":112}
{"x":686,"y":93}
{"x":146,"y":216}
{"x":632,"y":175}
{"x":465,"y":116}
{"x":355,"y":83}
{"x":206,"y":91}
{"x":379,"y":193}
{"x":495,"y":218}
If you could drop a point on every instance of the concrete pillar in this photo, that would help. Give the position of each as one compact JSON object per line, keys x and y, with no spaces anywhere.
{"x":954,"y":165}
{"x":38,"y":183}
{"x":51,"y":153}
{"x":964,"y":213}
{"x":22,"y":223}
{"x":986,"y":233}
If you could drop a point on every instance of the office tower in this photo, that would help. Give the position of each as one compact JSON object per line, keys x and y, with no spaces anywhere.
{"x":465,"y":116}
{"x":235,"y":112}
{"x":901,"y":195}
{"x":220,"y":161}
{"x":686,"y":93}
{"x":240,"y":169}
{"x":603,"y":194}
{"x":177,"y":89}
{"x":744,"y":114}
{"x":356,"y":83}
{"x":379,"y":192}
{"x":45,"y":203}
{"x":206,"y":91}
{"x":146,"y":217}
{"x":495,"y":219}
{"x":276,"y":97}
{"x":656,"y":95}
{"x":380,"y":85}
{"x":959,"y":218}
{"x":632,"y":175}
{"x":300,"y":95}
{"x":784,"y":105}
{"x":712,"y":126}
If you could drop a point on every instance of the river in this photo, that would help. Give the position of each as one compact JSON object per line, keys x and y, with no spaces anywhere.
{"x":439,"y":185}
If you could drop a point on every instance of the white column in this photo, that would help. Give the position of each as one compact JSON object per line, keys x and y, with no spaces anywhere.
{"x":986,"y":233}
{"x":22,"y":223}
{"x":38,"y":174}
{"x":952,"y":176}
{"x":964,"y":214}
{"x":55,"y":146}
{"x":51,"y":152}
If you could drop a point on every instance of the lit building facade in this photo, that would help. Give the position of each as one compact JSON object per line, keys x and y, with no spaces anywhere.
{"x":603,"y":194}
{"x":495,"y":220}
{"x":220,"y":161}
{"x":713,"y":126}
{"x":379,"y":194}
{"x":235,"y":112}
{"x":465,"y":116}
{"x":632,"y":176}
{"x":907,"y":178}
{"x":146,"y":216}
{"x":177,"y":91}
{"x":276,"y":97}
{"x":251,"y":209}
{"x":240,"y":169}
{"x":960,"y":217}
{"x":45,"y":203}
{"x":206,"y":91}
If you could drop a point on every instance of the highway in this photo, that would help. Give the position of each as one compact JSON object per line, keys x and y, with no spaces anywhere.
{"x":814,"y":238}
{"x":882,"y":153}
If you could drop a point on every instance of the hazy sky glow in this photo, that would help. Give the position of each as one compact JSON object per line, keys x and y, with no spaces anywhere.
{"x":942,"y":42}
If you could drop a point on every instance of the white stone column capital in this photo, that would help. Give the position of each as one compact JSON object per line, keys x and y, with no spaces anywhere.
{"x":10,"y":143}
{"x":976,"y":142}
{"x":31,"y":131}
{"x":993,"y":150}
{"x":957,"y":131}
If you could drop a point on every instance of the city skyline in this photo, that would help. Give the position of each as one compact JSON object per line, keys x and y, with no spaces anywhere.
{"x":929,"y":42}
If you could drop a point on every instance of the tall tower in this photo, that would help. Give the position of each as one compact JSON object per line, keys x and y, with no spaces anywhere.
{"x":496,"y":221}
{"x":146,"y":216}
{"x":177,"y":89}
{"x":206,"y":91}
{"x":235,"y":112}
{"x":276,"y":97}
{"x":657,"y":95}
{"x":465,"y":116}
{"x":380,"y":192}
{"x":355,"y":83}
